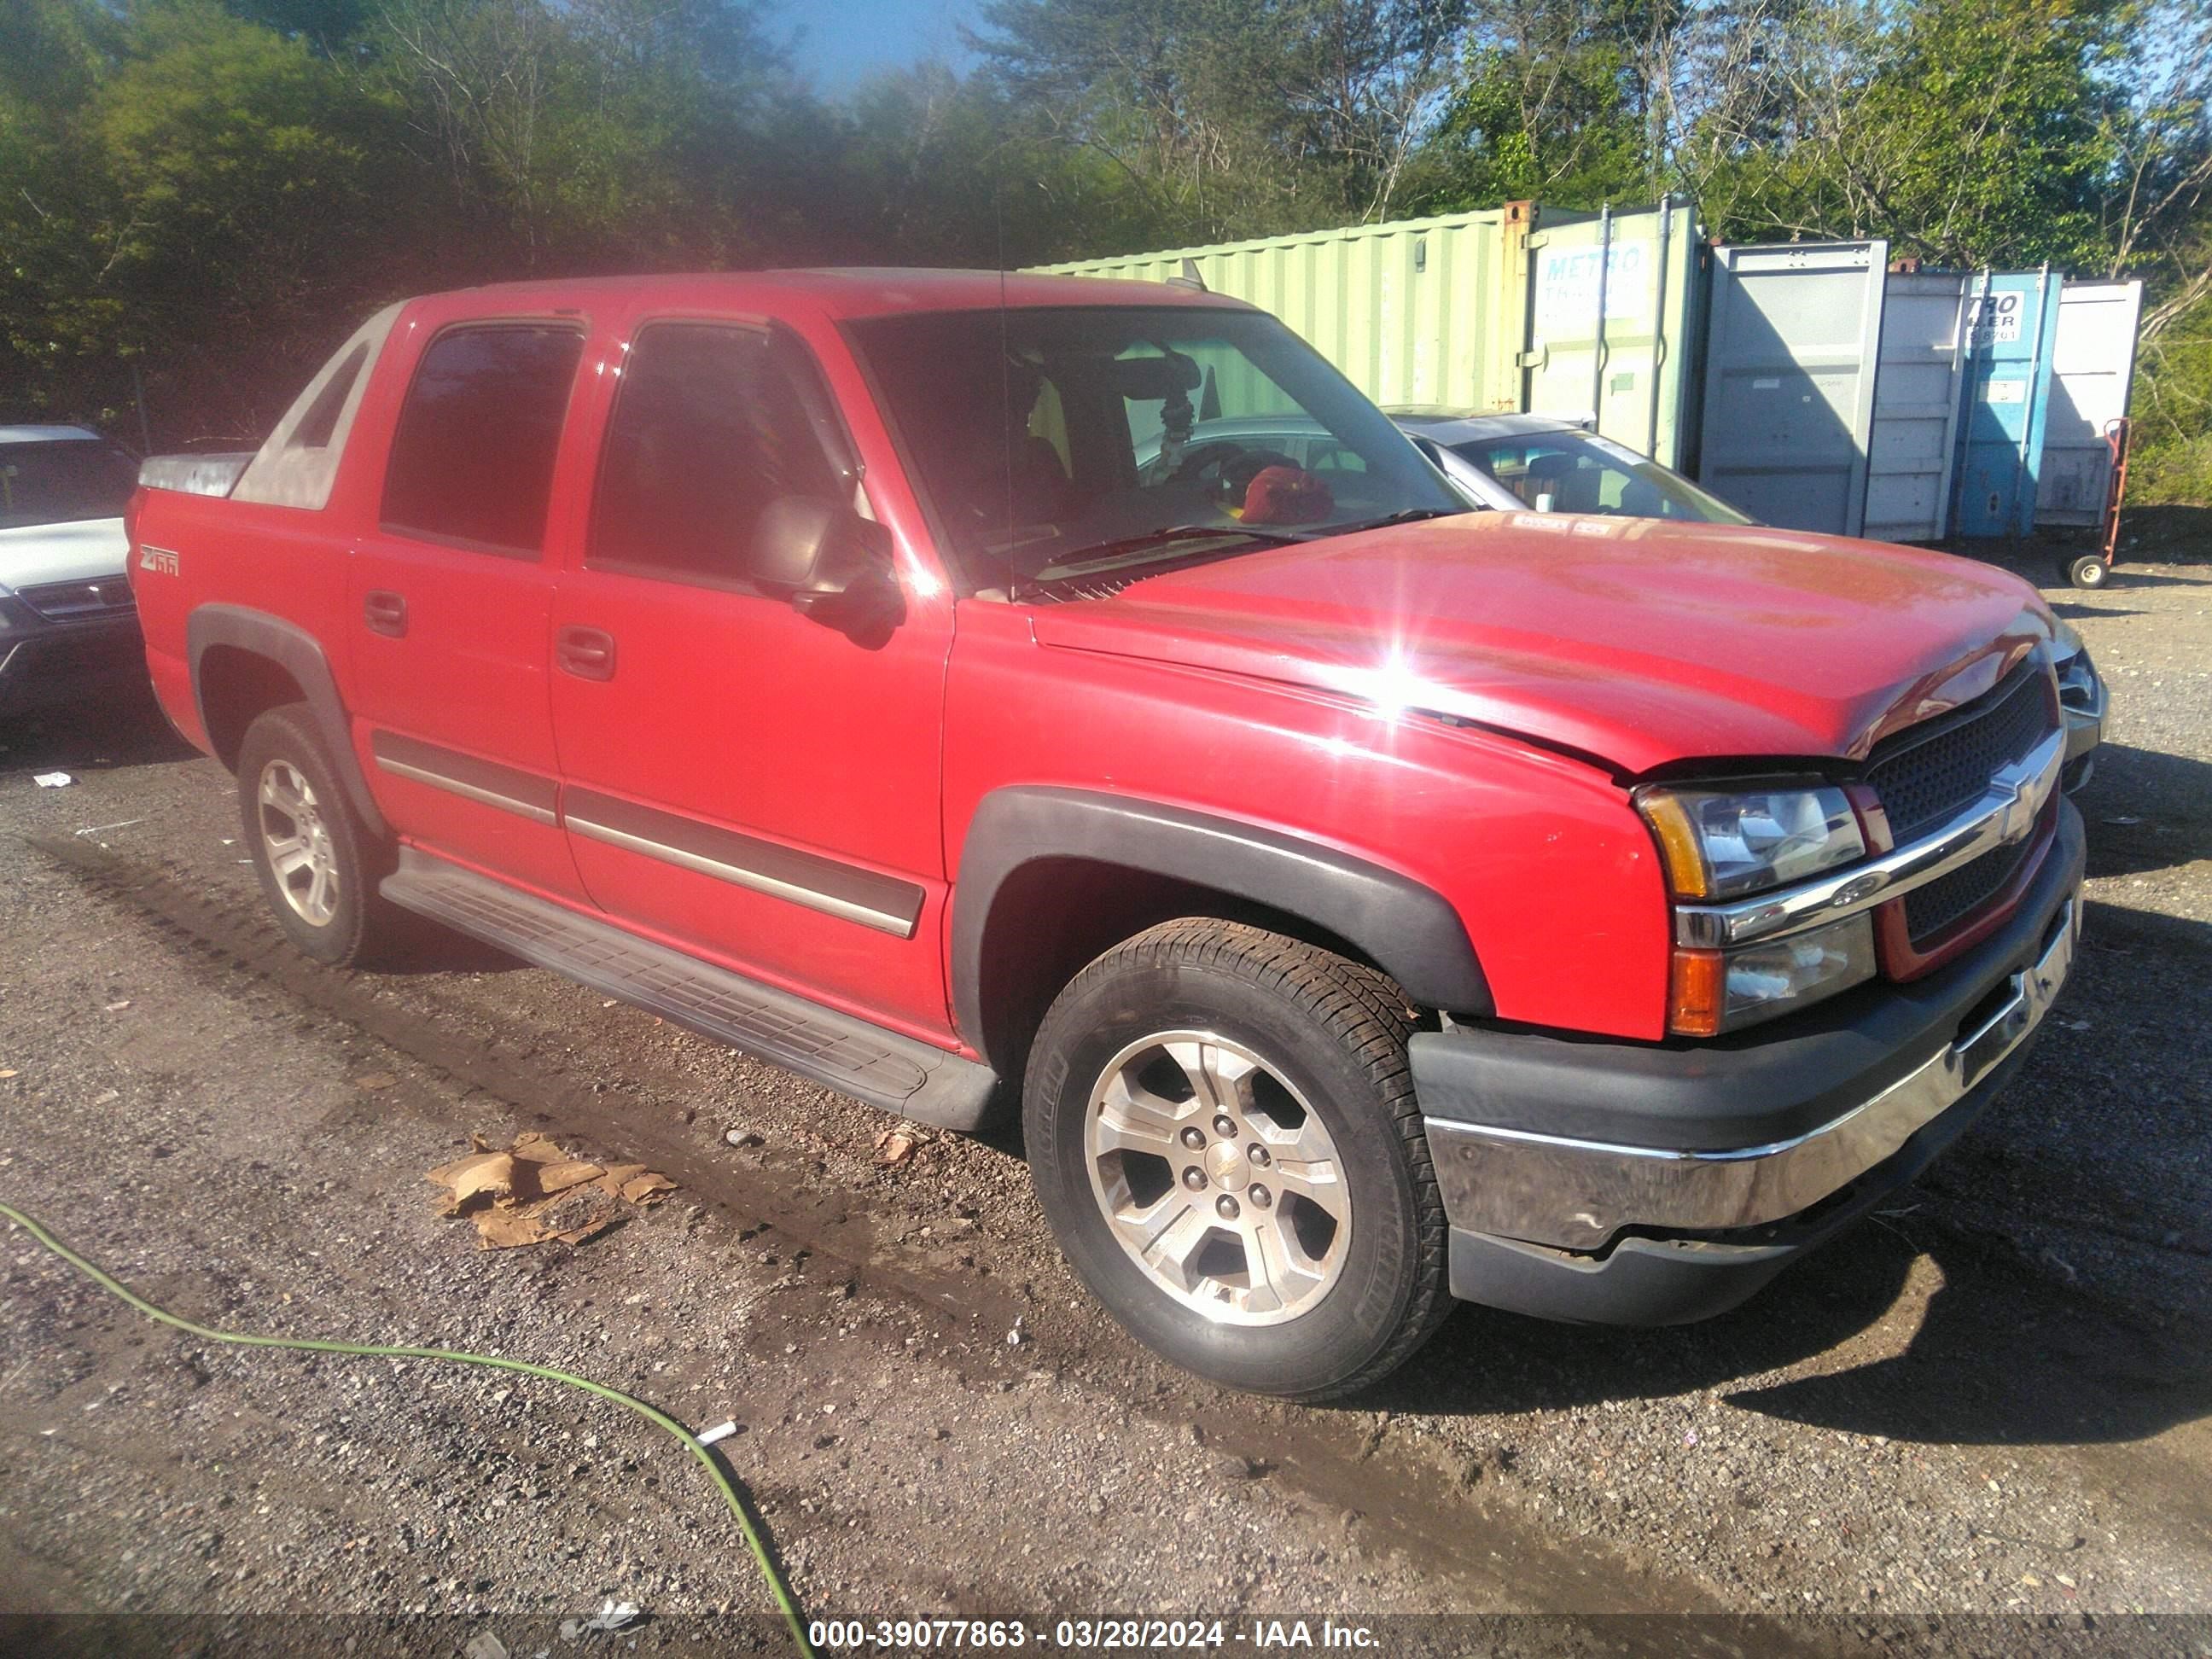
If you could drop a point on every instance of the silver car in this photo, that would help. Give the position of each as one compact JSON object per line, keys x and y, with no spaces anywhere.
{"x":1548,"y":463}
{"x":68,"y":629}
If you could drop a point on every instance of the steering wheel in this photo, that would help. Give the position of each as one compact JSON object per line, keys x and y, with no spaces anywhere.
{"x":1233,"y":465}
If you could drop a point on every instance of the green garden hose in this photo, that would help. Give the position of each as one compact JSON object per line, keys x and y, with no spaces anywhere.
{"x":652,"y":1414}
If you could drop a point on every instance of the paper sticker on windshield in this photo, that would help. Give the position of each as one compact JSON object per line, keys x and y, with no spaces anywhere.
{"x":158,"y":560}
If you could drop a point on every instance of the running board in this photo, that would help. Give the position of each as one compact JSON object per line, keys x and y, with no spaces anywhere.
{"x":837,"y":1050}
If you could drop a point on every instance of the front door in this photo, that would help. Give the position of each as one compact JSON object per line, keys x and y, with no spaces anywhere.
{"x":740,"y":780}
{"x":449,"y":602}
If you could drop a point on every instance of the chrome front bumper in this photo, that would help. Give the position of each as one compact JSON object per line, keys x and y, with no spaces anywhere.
{"x":1578,"y":1195}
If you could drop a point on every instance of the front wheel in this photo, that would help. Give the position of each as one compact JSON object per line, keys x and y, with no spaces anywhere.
{"x":1222,"y":1130}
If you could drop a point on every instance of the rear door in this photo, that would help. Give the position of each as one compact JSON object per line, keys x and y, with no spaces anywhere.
{"x":752,"y":785}
{"x":449,"y":600}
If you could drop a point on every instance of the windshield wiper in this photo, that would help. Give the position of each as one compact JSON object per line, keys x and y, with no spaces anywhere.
{"x":1407,"y":515}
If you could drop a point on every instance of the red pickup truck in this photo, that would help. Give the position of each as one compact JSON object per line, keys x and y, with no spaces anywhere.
{"x":1366,"y":901}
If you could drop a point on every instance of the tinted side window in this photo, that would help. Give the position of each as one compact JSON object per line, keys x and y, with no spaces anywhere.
{"x":710,"y":427}
{"x":472,"y":459}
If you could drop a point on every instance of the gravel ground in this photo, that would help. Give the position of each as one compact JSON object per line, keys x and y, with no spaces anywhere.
{"x":1989,"y":1399}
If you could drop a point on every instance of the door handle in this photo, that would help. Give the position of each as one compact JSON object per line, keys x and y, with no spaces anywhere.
{"x":586,"y":653}
{"x":385,"y":612}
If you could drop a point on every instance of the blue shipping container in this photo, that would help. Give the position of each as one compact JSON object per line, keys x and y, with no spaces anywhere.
{"x":2014,"y":323}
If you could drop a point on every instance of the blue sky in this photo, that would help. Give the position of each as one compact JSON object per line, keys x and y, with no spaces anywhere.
{"x":843,"y":40}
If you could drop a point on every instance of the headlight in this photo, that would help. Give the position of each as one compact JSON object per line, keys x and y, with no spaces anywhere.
{"x":1726,"y":843}
{"x":2077,"y":675}
{"x":1716,"y":990}
{"x":1723,"y":844}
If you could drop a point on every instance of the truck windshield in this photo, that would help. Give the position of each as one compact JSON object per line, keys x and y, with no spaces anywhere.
{"x":63,"y":480}
{"x":1058,"y":443}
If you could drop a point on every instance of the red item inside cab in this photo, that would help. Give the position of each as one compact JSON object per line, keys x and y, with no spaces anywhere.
{"x":1286,"y":495}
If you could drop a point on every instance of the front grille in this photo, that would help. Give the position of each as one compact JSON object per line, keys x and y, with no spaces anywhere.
{"x":1948,"y":899}
{"x":1924,"y":781}
{"x":75,"y":601}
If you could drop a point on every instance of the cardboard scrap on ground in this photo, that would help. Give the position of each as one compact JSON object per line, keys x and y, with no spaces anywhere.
{"x":533,"y":1191}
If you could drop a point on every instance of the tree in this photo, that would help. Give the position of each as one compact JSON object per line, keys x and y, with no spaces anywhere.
{"x":2157,"y":209}
{"x":1554,"y":103}
{"x":1232,"y":117}
{"x":212,"y":184}
{"x":1968,"y":132}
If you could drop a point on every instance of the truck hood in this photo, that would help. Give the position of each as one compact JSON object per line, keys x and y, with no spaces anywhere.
{"x":1636,"y":641}
{"x":80,"y":551}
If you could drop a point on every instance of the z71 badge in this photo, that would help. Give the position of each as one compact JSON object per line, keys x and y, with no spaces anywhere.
{"x":158,"y":560}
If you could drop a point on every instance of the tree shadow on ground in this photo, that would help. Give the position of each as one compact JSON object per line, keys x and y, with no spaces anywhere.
{"x":2004,"y":1354}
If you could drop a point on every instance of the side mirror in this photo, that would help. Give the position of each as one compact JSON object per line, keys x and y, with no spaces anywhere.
{"x":833,"y":564}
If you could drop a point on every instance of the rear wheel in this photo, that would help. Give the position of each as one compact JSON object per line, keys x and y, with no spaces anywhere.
{"x":1222,"y":1129}
{"x":317,"y":862}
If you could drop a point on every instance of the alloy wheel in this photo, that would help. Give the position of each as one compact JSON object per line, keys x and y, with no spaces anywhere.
{"x":297,"y":841}
{"x":1217,"y":1178}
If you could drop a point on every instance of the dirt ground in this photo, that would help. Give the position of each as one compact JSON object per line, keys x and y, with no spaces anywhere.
{"x":1991,"y":1400}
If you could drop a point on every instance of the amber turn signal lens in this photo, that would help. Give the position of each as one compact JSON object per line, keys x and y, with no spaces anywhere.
{"x":1695,"y":988}
{"x":1678,"y":844}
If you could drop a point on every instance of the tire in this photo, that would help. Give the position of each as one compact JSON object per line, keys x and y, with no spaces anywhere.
{"x":1350,"y":1275}
{"x":288,"y":783}
{"x":2090,"y":570}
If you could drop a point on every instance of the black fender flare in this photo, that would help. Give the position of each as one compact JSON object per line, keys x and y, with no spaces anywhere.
{"x":1410,"y":931}
{"x":300,"y":654}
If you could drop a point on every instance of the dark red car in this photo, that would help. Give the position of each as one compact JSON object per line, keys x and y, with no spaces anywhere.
{"x":1366,"y":900}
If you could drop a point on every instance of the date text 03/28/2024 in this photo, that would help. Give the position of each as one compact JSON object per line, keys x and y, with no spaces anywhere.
{"x":1087,"y":1635}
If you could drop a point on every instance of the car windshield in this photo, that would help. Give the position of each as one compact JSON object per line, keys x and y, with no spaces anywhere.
{"x":1580,"y":472}
{"x":67,"y":479}
{"x":1073,"y":443}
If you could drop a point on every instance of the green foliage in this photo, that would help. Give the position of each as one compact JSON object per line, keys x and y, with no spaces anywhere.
{"x":1967,"y":131}
{"x":2172,"y":414}
{"x":1551,"y":105}
{"x":210,"y":180}
{"x":1230,"y":117}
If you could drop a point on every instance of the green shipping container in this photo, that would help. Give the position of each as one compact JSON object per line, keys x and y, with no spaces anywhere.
{"x":1488,"y":312}
{"x":1636,"y":375}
